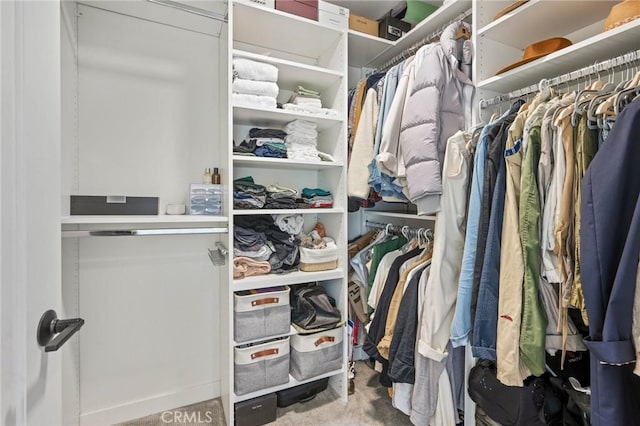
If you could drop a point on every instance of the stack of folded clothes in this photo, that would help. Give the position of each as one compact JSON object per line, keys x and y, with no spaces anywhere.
{"x":302,"y":140}
{"x":254,"y":83}
{"x":285,"y":254}
{"x":247,"y":194}
{"x":280,"y":197}
{"x":251,"y":252}
{"x":306,"y":100}
{"x":263,"y":143}
{"x":317,"y":198}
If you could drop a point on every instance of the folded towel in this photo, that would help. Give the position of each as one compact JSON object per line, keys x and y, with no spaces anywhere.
{"x":250,"y":87}
{"x":307,"y":92}
{"x":252,"y":70}
{"x":246,"y":267}
{"x":254,"y":101}
{"x":312,"y":102}
{"x":310,"y":109}
{"x":293,"y":140}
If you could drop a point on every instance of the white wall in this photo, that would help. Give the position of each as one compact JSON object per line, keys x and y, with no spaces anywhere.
{"x":148,"y":111}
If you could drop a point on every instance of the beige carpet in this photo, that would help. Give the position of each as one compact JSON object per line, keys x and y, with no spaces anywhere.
{"x":369,"y":405}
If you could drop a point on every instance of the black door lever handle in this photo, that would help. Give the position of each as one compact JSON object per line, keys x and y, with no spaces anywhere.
{"x":54,"y":332}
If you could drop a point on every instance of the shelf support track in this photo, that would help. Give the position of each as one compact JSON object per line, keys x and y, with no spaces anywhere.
{"x":144,"y":232}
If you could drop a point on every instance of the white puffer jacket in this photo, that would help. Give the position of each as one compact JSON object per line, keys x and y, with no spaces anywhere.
{"x":434,"y":110}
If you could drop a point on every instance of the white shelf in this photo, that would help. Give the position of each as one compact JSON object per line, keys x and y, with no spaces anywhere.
{"x":292,"y":382}
{"x":282,"y":163}
{"x":602,"y":46}
{"x":431,"y":23}
{"x":298,"y":277}
{"x":364,"y":47}
{"x":141,"y":219}
{"x":260,"y":117}
{"x":292,"y":331}
{"x":541,"y":19}
{"x":282,"y":32}
{"x":291,"y":74}
{"x":240,"y":212}
{"x":398,"y":215}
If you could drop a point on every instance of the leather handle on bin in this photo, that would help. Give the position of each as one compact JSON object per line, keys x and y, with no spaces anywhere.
{"x":266,"y":352}
{"x":324,"y":339}
{"x":267,"y":301}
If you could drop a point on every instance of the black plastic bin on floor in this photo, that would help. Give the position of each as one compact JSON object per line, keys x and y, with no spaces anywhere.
{"x":302,"y":393}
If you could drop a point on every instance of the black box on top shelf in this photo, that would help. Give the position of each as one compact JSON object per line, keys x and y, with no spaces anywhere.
{"x":257,"y":411}
{"x":392,"y":28}
{"x":113,"y":205}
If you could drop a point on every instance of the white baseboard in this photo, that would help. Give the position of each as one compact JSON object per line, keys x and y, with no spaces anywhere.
{"x":152,"y":405}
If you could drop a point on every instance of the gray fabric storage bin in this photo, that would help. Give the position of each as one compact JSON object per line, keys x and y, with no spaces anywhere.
{"x":261,"y":315}
{"x":316,"y":354}
{"x":261,"y":366}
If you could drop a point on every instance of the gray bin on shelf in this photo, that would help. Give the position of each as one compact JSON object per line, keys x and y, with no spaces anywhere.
{"x":316,"y":354}
{"x":261,"y":366}
{"x":261,"y":315}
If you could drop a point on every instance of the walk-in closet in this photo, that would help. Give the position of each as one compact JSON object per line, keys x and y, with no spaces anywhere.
{"x":250,"y":212}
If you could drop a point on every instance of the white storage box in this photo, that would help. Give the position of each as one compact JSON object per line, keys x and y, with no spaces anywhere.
{"x":261,"y":366}
{"x":332,"y":15}
{"x":269,"y":4}
{"x":261,"y":313}
{"x":316,"y":354}
{"x":312,"y":260}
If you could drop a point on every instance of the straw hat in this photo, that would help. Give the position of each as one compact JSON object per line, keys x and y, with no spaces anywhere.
{"x":627,"y":11}
{"x":538,"y":50}
{"x":513,"y":6}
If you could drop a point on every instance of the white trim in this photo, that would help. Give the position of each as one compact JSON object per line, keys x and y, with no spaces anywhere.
{"x":13,"y":285}
{"x":153,"y":405}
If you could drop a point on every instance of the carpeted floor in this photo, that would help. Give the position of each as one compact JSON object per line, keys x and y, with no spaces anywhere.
{"x":369,"y":405}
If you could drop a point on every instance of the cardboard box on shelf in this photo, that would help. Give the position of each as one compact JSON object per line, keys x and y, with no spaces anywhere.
{"x":333,"y":16}
{"x":363,"y":25}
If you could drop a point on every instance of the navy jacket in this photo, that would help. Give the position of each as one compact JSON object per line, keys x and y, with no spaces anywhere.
{"x":610,"y":248}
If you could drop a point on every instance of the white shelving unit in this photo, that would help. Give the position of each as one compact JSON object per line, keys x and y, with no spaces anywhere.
{"x":142,"y":219}
{"x":292,"y":383}
{"x":369,"y":51}
{"x":283,"y":163}
{"x":264,"y":281}
{"x":364,"y":47}
{"x":499,"y":44}
{"x":312,"y":55}
{"x":261,"y":117}
{"x":601,"y":46}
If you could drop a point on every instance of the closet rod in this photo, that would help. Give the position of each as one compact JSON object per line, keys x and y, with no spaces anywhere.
{"x":144,"y":232}
{"x":190,"y":9}
{"x":410,"y":51}
{"x":607,"y":65}
{"x":399,"y":229}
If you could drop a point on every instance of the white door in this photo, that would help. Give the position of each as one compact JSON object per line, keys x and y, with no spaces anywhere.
{"x":30,"y":266}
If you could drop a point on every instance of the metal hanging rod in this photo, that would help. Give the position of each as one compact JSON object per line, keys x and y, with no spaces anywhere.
{"x":191,"y":9}
{"x":144,"y":232}
{"x":395,"y":229}
{"x":407,"y":53}
{"x":607,"y":65}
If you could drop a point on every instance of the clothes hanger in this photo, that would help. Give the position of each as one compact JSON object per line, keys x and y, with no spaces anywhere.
{"x":590,"y":110}
{"x":585,"y":96}
{"x":626,"y":96}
